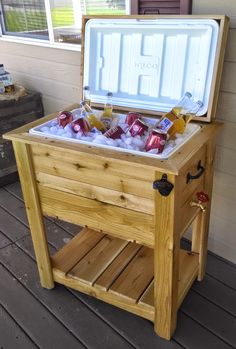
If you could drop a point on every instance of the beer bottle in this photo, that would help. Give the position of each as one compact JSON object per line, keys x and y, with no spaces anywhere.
{"x":86,"y":95}
{"x":179,"y":125}
{"x":87,"y":112}
{"x":166,"y":121}
{"x":107,"y":113}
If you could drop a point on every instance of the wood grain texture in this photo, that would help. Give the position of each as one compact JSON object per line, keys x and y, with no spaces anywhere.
{"x":67,"y":257}
{"x":166,"y":262}
{"x":94,"y":170}
{"x":123,"y":223}
{"x":117,"y":266}
{"x":133,"y":281}
{"x":98,"y":259}
{"x":34,"y":213}
{"x":95,"y":192}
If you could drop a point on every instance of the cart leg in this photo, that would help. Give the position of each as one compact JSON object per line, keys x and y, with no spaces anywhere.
{"x":201,"y":224}
{"x":34,"y":214}
{"x":199,"y":241}
{"x":166,"y":264}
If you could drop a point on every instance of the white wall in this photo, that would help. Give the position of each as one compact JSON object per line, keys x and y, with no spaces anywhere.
{"x":55,"y":73}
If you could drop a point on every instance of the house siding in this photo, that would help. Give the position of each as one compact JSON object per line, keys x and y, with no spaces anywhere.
{"x":55,"y":73}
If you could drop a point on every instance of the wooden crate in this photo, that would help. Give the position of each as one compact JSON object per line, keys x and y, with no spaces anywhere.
{"x":129,"y":252}
{"x":13,"y":114}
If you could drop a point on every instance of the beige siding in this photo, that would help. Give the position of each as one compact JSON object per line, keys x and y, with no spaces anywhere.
{"x":222,"y":238}
{"x":55,"y":73}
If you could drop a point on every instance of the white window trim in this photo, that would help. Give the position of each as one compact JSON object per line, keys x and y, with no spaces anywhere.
{"x":51,"y":43}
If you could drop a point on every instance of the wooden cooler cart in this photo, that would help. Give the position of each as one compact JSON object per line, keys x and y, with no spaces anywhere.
{"x":134,"y":209}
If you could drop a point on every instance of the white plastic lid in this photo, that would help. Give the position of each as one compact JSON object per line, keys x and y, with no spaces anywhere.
{"x":150,"y":63}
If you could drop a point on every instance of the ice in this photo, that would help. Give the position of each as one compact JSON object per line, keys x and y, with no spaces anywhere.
{"x":126,"y":141}
{"x":45,"y":129}
{"x":67,"y":128}
{"x":53,"y":123}
{"x":111,"y":142}
{"x":53,"y":130}
{"x":68,"y":135}
{"x":60,"y":131}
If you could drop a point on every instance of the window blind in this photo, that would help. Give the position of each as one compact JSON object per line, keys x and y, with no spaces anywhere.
{"x":24,"y":17}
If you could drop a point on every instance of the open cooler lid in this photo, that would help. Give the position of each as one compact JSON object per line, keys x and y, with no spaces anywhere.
{"x":149,"y":63}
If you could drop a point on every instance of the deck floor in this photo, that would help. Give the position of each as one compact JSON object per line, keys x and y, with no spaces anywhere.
{"x":32,"y":317}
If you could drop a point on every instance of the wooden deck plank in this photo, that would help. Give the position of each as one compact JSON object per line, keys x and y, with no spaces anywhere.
{"x":192,"y":335}
{"x":221,"y":270}
{"x":218,"y":293}
{"x":211,"y":317}
{"x":11,"y":227}
{"x":29,"y":308}
{"x":12,"y":335}
{"x":4,"y":241}
{"x":15,"y":207}
{"x":69,"y":310}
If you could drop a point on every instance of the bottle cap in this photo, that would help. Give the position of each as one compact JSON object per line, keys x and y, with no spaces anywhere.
{"x":188,"y":94}
{"x":86,"y":88}
{"x":200,"y":104}
{"x":109,"y":94}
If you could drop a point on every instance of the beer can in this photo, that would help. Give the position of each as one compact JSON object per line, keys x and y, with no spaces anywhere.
{"x":114,"y":132}
{"x":156,"y":140}
{"x":131,"y":117}
{"x":138,"y":128}
{"x":64,"y":118}
{"x":80,"y":125}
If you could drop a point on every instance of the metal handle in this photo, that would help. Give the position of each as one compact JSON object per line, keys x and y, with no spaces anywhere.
{"x":200,"y":169}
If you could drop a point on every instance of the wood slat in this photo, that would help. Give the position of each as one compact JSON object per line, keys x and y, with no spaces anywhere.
{"x":66,"y":258}
{"x":123,"y":223}
{"x":147,"y":298}
{"x":97,"y":260}
{"x":117,"y":266}
{"x":94,"y":192}
{"x":98,"y":171}
{"x":136,"y":277}
{"x":188,"y":270}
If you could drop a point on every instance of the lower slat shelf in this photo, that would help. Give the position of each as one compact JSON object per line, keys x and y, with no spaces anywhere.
{"x":116,"y":271}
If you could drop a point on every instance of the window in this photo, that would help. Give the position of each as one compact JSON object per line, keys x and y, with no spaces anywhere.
{"x":55,"y":21}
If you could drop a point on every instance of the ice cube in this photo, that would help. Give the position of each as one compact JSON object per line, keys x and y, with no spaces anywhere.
{"x":179,"y":140}
{"x":68,"y":135}
{"x":53,"y":123}
{"x":67,"y":128}
{"x":53,"y":130}
{"x":45,"y":129}
{"x":78,"y":135}
{"x":128,"y":140}
{"x":60,"y":131}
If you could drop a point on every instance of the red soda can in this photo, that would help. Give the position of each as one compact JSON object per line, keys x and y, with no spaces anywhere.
{"x":80,"y":125}
{"x":64,"y":118}
{"x":114,"y":132}
{"x":156,"y":140}
{"x":138,"y":128}
{"x":131,"y":117}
